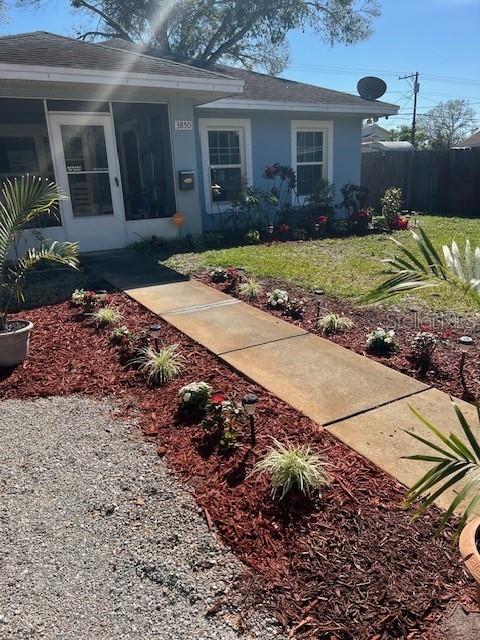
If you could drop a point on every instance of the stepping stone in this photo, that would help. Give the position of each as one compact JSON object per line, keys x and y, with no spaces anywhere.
{"x":321,"y":379}
{"x":379,"y":434}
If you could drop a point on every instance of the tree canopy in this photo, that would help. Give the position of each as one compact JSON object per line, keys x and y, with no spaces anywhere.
{"x":252,"y":33}
{"x":448,"y":123}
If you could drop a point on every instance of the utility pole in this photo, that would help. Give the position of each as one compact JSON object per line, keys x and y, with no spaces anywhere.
{"x":416,"y":89}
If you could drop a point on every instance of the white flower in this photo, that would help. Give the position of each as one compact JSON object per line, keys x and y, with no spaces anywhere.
{"x":187,"y":396}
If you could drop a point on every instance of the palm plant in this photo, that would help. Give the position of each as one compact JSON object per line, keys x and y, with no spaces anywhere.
{"x":22,"y":201}
{"x":455,"y":462}
{"x":412,"y":270}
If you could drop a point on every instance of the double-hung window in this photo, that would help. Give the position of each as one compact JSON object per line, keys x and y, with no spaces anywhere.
{"x":311,"y":154}
{"x":226,"y":156}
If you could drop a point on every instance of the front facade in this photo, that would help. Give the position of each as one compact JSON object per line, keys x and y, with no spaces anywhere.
{"x":133,"y":138}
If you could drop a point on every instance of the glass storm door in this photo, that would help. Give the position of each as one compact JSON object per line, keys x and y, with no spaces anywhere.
{"x":87,"y":170}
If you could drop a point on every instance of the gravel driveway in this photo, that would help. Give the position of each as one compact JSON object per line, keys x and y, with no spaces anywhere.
{"x":98,"y":540}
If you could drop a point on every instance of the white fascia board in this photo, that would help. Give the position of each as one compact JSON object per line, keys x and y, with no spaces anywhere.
{"x":266,"y":105}
{"x":117,"y":78}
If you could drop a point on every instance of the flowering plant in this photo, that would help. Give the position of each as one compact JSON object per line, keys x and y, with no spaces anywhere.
{"x":321,"y":220}
{"x":195,"y":395}
{"x":295,"y":308}
{"x":362,"y":214}
{"x":284,"y":172}
{"x":381,"y":341}
{"x":277,"y":298}
{"x":398,"y":223}
{"x":423,"y":346}
{"x":219,"y":274}
{"x":87,"y":299}
{"x":221,"y":419}
{"x":121,"y":336}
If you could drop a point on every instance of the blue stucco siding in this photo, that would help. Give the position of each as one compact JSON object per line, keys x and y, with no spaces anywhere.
{"x":271,"y":133}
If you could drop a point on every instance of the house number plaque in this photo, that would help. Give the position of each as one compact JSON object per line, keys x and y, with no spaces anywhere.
{"x":183,"y":125}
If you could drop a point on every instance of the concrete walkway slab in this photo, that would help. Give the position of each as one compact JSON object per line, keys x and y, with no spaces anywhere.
{"x":379,"y":435}
{"x":228,"y":327}
{"x":165,"y":298}
{"x":321,"y":379}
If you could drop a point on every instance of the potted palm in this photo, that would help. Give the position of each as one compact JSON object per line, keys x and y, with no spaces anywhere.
{"x":22,"y":201}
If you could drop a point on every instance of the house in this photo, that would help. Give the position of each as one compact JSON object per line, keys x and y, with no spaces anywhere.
{"x":373,"y":132}
{"x":472,"y":141}
{"x":132,"y":137}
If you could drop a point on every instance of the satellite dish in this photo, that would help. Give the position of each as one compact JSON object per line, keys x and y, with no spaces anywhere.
{"x":371,"y":88}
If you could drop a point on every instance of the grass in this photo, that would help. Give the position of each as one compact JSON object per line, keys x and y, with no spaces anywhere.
{"x":344,"y":267}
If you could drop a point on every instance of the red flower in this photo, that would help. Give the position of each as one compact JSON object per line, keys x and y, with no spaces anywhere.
{"x":217,"y":399}
{"x":284,"y":228}
{"x":322,"y":220}
{"x":399,"y":223}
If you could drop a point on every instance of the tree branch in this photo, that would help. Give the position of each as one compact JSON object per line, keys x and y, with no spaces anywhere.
{"x":119,"y":31}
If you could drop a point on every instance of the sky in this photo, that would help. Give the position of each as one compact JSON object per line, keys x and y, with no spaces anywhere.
{"x":438,"y":38}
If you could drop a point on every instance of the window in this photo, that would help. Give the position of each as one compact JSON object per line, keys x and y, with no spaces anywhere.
{"x":226,"y":156}
{"x":311,"y":154}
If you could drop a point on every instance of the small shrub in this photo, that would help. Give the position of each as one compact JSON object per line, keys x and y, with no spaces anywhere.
{"x":332,"y":323}
{"x":295,"y":308}
{"x":160,"y":366}
{"x":391,"y":205}
{"x":381,"y":341}
{"x":423,"y":347}
{"x":86,"y":299}
{"x":299,"y":234}
{"x":106,"y":316}
{"x":251,"y":289}
{"x":195,"y":395}
{"x":253,"y":236}
{"x":120,"y":335}
{"x":277,"y":298}
{"x":293,"y":468}
{"x":219,"y":274}
{"x":221,"y":419}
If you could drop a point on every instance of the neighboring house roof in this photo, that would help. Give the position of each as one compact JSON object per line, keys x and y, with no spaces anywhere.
{"x":386,"y":146}
{"x":373,"y":132}
{"x":262,"y":91}
{"x":472,"y":141}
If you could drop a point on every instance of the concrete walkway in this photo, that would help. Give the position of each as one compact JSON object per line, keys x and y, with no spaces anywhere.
{"x":363,"y":403}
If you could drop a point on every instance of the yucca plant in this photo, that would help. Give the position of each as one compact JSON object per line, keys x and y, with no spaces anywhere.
{"x":160,"y":366}
{"x":106,"y":316}
{"x":332,"y":323}
{"x":410,"y":270}
{"x":22,"y":201}
{"x":293,"y":467}
{"x":251,"y":289}
{"x":455,"y":461}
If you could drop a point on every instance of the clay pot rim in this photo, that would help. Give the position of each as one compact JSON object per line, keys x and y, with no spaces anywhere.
{"x":468,"y":547}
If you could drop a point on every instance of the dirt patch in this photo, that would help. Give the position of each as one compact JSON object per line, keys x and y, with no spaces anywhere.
{"x":350,"y":566}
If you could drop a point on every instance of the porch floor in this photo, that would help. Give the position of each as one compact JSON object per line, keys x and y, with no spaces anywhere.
{"x":363,"y":403}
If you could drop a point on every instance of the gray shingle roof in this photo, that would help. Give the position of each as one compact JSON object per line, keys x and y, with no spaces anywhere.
{"x":472,"y":141}
{"x":48,"y":49}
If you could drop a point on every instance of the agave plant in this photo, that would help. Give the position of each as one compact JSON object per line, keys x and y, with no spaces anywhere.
{"x":456,"y":461}
{"x":426,"y":267}
{"x":22,"y":201}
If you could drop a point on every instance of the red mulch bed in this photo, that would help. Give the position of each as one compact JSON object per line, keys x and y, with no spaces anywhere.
{"x":350,"y":566}
{"x":444,"y":373}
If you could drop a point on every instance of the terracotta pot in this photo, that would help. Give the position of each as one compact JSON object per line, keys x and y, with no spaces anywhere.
{"x":14,"y":344}
{"x":469,"y":550}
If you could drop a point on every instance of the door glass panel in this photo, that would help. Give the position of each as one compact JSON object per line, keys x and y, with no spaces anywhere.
{"x":224,"y":147}
{"x":84,"y":148}
{"x":308,"y":177}
{"x":226,"y":184}
{"x":90,"y":194}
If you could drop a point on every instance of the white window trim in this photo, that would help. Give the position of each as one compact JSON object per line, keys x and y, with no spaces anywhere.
{"x":207,"y":124}
{"x":326,"y":127}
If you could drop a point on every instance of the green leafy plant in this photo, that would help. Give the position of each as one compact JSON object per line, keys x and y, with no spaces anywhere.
{"x":222,"y":418}
{"x":277,"y":298}
{"x":219,"y":274}
{"x":295,"y":308}
{"x":381,"y":341}
{"x":391,"y":202}
{"x":423,"y":346}
{"x":121,"y":336}
{"x":253,"y":236}
{"x":160,"y":366}
{"x":195,"y":395}
{"x":106,"y":316}
{"x":413,"y":270}
{"x":251,"y":289}
{"x":332,"y":323}
{"x":293,"y":468}
{"x":456,"y":461}
{"x":86,"y":299}
{"x":22,"y":201}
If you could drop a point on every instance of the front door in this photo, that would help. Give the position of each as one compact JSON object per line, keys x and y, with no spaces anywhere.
{"x":87,"y":170}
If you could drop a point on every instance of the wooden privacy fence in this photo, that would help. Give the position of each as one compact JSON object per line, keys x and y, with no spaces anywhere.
{"x":435,"y":181}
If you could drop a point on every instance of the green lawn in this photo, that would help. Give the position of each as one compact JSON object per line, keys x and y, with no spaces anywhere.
{"x":344,"y":267}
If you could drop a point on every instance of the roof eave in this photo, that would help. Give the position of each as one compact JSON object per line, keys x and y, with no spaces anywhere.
{"x":40,"y":73}
{"x":366,"y":110}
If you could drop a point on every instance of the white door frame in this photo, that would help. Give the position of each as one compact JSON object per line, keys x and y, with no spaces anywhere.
{"x":93,"y":233}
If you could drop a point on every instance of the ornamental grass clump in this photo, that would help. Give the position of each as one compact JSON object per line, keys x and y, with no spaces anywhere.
{"x":251,"y":289}
{"x":160,"y":366}
{"x":106,"y":316}
{"x":277,"y":298}
{"x":332,"y":323}
{"x":293,"y":468}
{"x":381,"y":341}
{"x":195,"y":396}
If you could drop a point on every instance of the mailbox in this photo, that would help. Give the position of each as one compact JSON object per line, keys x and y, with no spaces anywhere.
{"x":186,"y":180}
